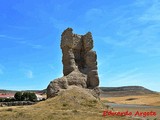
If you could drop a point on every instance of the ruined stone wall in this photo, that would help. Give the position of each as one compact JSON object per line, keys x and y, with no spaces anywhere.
{"x":79,"y":63}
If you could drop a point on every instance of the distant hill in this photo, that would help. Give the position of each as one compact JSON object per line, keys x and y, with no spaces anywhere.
{"x":125,"y":91}
{"x":106,"y":91}
{"x":14,"y":91}
{"x":7,"y":91}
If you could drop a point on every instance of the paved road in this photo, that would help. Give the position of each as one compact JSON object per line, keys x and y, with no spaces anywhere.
{"x":130,"y":105}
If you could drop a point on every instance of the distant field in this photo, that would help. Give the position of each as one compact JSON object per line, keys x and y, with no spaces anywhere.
{"x":149,"y":99}
{"x":134,"y":110}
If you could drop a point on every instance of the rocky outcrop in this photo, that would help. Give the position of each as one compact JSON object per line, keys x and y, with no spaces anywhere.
{"x":79,"y":64}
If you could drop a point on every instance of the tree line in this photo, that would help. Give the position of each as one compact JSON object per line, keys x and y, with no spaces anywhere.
{"x":21,"y":96}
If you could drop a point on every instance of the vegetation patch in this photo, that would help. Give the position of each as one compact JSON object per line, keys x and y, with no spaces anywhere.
{"x":131,"y":99}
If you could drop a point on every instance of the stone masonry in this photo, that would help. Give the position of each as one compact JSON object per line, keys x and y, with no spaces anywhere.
{"x":79,"y":64}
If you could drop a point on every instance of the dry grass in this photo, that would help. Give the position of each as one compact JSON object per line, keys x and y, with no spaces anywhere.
{"x":134,"y":110}
{"x":150,"y":99}
{"x":75,"y":104}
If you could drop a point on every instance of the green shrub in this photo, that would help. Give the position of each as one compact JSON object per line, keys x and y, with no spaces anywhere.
{"x":18,"y":96}
{"x":32,"y":97}
{"x":27,"y":96}
{"x":1,"y":99}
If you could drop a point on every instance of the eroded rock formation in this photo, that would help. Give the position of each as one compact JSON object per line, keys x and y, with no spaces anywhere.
{"x":79,"y":64}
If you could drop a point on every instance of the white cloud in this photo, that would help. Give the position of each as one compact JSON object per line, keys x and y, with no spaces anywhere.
{"x":136,"y":79}
{"x":51,"y":66}
{"x":35,"y":46}
{"x":114,"y":42}
{"x":9,"y":37}
{"x":125,"y":75}
{"x":138,"y":31}
{"x":94,"y":12}
{"x":152,"y":13}
{"x":21,"y":41}
{"x":129,"y":77}
{"x":29,"y":74}
{"x":19,"y":27}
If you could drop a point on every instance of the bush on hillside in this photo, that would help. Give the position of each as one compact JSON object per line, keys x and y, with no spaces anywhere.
{"x":25,"y":96}
{"x":18,"y":96}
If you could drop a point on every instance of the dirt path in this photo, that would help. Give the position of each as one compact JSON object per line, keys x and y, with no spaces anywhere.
{"x":131,"y":105}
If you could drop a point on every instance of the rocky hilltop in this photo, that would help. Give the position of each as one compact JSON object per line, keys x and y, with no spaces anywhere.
{"x":79,"y":64}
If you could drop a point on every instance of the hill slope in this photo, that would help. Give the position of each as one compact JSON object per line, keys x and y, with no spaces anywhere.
{"x":73,"y":104}
{"x":106,"y":91}
{"x":124,"y":91}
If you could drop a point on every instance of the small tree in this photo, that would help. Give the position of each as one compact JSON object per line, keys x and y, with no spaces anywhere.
{"x":32,"y":97}
{"x":18,"y":96}
{"x":1,"y":99}
{"x":25,"y":96}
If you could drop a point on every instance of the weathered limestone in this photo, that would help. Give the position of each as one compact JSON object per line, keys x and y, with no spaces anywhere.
{"x":79,"y":64}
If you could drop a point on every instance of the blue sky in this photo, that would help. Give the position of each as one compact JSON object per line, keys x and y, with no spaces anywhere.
{"x":126,"y":38}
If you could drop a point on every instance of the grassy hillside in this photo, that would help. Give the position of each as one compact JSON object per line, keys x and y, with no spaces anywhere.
{"x":149,"y":99}
{"x":74,"y":104}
